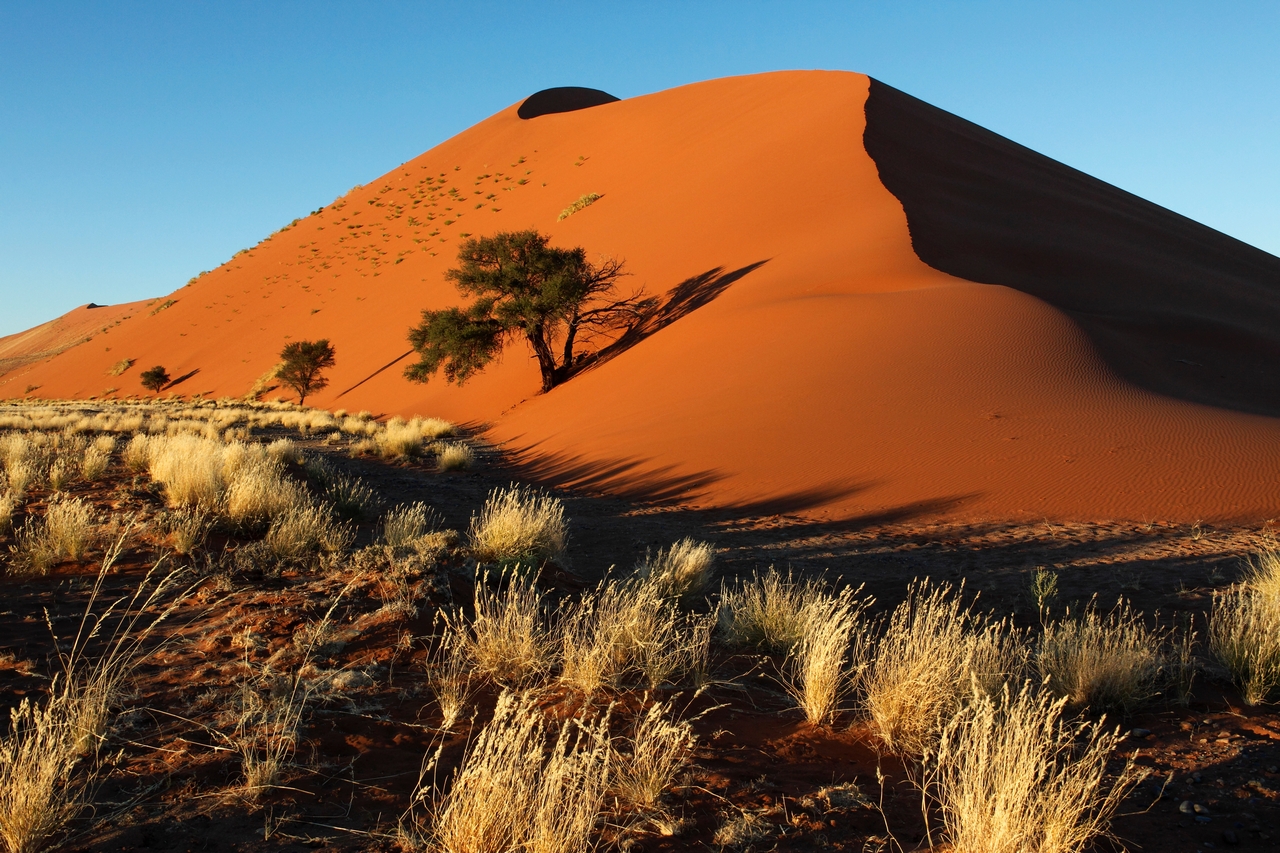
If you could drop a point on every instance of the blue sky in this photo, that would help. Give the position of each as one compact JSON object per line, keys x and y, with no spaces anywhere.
{"x":141,"y":143}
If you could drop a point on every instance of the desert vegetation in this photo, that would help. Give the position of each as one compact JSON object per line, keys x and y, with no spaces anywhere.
{"x":546,"y":703}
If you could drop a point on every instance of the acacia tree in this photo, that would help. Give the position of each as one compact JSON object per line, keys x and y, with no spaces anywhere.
{"x":155,"y":379}
{"x":302,"y":362}
{"x":553,"y":298}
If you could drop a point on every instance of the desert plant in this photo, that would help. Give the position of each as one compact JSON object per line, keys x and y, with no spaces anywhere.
{"x":449,"y":674}
{"x":455,"y":456}
{"x":433,"y":428}
{"x":405,"y":526}
{"x":524,"y":784}
{"x":518,"y":525}
{"x":155,"y":379}
{"x":931,"y":653}
{"x":8,"y":504}
{"x":657,"y":751}
{"x":304,"y":531}
{"x":137,"y":455}
{"x":38,"y":756}
{"x":284,"y":450}
{"x":509,"y":639}
{"x":524,"y":288}
{"x":682,"y":571}
{"x":398,"y":440}
{"x":767,"y":611}
{"x":1009,"y":776}
{"x":350,"y":497}
{"x":94,"y":463}
{"x":65,"y":533}
{"x":830,"y":656}
{"x":583,"y":202}
{"x":1110,"y":663}
{"x":59,"y":474}
{"x":120,"y":366}
{"x":187,"y":530}
{"x":302,"y":363}
{"x":1244,"y":636}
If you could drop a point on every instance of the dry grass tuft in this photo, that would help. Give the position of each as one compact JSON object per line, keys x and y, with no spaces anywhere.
{"x":1009,"y":776}
{"x":406,"y":526}
{"x":1110,"y":663}
{"x":682,"y":571}
{"x":398,"y":440}
{"x":8,"y":504}
{"x":509,"y":640}
{"x":455,"y":456}
{"x":518,"y":525}
{"x":38,"y":758}
{"x":657,"y":752}
{"x":304,"y":531}
{"x":449,"y":674}
{"x":932,"y":652}
{"x":767,"y":611}
{"x":1244,"y":630}
{"x":830,"y":657}
{"x":524,"y":784}
{"x":65,"y":533}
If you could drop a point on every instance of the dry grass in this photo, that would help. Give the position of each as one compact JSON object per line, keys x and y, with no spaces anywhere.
{"x":509,"y":640}
{"x":399,"y":439}
{"x":1009,"y":776}
{"x":455,"y":456}
{"x":187,"y":530}
{"x":406,"y":526}
{"x":65,"y":533}
{"x":657,"y":752}
{"x":518,"y":525}
{"x":351,"y":497}
{"x":38,"y":756}
{"x":1244,"y":630}
{"x":767,"y":611}
{"x":524,"y":784}
{"x":932,"y":652}
{"x":8,"y":505}
{"x":830,"y":657}
{"x":583,"y":202}
{"x":304,"y":531}
{"x":1108,"y":663}
{"x":682,"y":571}
{"x":449,"y":675}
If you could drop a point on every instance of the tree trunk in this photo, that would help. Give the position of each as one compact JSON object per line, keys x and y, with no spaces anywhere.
{"x":546,"y":358}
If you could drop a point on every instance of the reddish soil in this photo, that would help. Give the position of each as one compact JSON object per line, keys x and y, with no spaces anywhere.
{"x":172,"y":786}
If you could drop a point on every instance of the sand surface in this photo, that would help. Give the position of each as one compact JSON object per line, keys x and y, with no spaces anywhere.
{"x":809,"y":360}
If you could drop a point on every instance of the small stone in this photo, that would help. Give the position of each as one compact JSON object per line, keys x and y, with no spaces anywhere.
{"x":1201,"y":818}
{"x":1272,"y":769}
{"x":1199,"y":809}
{"x":1186,"y":727}
{"x":1140,"y":733}
{"x":1196,"y":777}
{"x":1186,"y":807}
{"x":1230,"y":837}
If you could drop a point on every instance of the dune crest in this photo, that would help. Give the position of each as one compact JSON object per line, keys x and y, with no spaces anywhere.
{"x":806,"y":359}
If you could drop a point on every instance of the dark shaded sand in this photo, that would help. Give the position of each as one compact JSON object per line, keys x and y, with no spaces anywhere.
{"x":562,"y":99}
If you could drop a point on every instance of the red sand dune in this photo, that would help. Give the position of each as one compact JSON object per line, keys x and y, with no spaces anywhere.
{"x":1063,"y":350}
{"x":71,"y":329}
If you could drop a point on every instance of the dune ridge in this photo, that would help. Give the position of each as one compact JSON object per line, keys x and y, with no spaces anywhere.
{"x":806,"y":360}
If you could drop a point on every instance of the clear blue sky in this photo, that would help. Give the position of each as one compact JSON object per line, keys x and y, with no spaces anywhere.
{"x":141,"y":143}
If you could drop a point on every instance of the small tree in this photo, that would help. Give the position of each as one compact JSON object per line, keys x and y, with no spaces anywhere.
{"x":553,"y":298}
{"x":155,"y":378}
{"x":302,"y":363}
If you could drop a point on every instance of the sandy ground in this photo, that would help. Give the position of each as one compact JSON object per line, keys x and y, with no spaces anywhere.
{"x":173,"y":786}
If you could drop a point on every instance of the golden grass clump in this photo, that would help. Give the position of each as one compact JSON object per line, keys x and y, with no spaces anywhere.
{"x":405,"y":526}
{"x":95,"y":461}
{"x":8,"y":504}
{"x":509,"y":640}
{"x":1009,"y":776}
{"x":455,"y":456}
{"x":767,"y":611}
{"x":1244,"y":630}
{"x":189,"y":468}
{"x":582,"y":203}
{"x":657,"y":752}
{"x":1107,"y":663}
{"x":524,"y":784}
{"x":38,"y":758}
{"x":830,"y":657}
{"x":449,"y":675}
{"x":137,"y":453}
{"x":682,"y":571}
{"x":304,"y":531}
{"x":930,"y":655}
{"x":398,"y":440}
{"x":66,"y":532}
{"x":518,"y":525}
{"x":433,"y":429}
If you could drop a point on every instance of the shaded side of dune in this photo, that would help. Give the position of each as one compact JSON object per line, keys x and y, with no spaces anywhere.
{"x":1171,"y":304}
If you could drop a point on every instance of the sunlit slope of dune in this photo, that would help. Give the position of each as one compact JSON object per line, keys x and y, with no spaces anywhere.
{"x":806,"y":359}
{"x":60,"y":334}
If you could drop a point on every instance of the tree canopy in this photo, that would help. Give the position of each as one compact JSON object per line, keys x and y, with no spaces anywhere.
{"x":554,"y":298}
{"x":302,"y":363}
{"x":155,"y":379}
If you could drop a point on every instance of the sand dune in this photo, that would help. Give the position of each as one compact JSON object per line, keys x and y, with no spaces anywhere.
{"x":808,"y":359}
{"x":61,"y":333}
